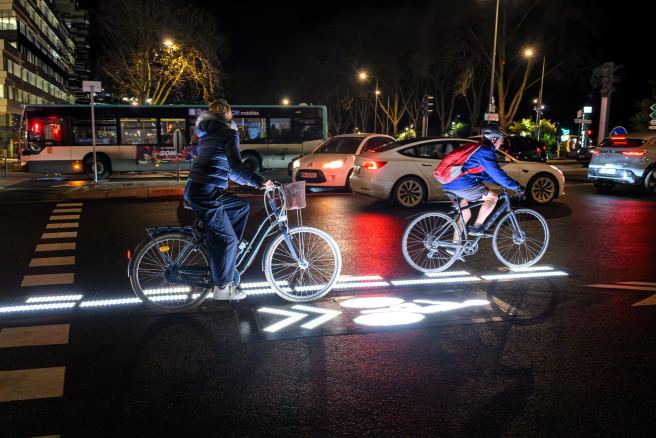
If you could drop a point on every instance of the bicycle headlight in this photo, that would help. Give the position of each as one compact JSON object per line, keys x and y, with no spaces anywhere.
{"x":335,"y":164}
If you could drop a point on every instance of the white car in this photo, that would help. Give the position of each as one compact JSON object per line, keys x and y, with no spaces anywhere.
{"x":403,"y":172}
{"x":330,"y":164}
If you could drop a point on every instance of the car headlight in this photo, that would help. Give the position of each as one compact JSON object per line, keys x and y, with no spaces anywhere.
{"x":335,"y":164}
{"x":297,"y":164}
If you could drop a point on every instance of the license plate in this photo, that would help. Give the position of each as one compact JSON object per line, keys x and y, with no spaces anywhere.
{"x":581,"y":156}
{"x":606,"y":171}
{"x":308,"y":175}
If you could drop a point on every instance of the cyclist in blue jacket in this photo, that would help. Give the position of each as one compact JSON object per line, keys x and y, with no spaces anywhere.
{"x":223,"y":214}
{"x":470,"y":186}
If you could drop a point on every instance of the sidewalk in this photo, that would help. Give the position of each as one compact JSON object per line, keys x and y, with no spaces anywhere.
{"x":137,"y":189}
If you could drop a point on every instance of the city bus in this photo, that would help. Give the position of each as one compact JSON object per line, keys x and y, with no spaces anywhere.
{"x":139,"y":138}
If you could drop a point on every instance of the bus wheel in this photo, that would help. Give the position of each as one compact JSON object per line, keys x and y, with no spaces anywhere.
{"x":250,"y":162}
{"x":102,"y":167}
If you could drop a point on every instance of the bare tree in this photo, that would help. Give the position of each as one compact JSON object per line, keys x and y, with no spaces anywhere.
{"x":394,"y":113}
{"x":146,"y":57}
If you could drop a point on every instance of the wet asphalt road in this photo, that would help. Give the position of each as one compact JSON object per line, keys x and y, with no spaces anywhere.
{"x":580,"y":363}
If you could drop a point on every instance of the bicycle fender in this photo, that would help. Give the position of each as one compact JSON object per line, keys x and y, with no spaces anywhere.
{"x":271,"y":241}
{"x":415,"y":215}
{"x":150,"y":239}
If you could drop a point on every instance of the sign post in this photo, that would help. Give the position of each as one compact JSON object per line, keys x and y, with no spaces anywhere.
{"x":652,"y":122}
{"x":178,"y":144}
{"x":92,"y":87}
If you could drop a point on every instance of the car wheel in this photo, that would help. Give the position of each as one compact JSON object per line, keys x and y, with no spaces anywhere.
{"x":604,"y":186}
{"x":408,"y":192}
{"x":103,"y":168}
{"x":250,"y":162}
{"x":347,"y":186}
{"x":542,"y":189}
{"x":650,"y":183}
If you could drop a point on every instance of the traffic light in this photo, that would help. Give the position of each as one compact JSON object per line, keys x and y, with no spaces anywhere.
{"x":589,"y":131}
{"x":425,"y":103}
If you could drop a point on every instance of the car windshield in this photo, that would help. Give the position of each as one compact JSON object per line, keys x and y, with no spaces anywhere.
{"x":340,"y":145}
{"x":622,"y":142}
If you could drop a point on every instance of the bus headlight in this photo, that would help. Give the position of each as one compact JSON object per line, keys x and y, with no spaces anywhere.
{"x":335,"y":164}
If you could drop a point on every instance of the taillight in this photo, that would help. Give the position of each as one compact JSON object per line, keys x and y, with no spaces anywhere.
{"x":373,"y":165}
{"x":634,"y":154}
{"x":544,"y":148}
{"x":129,"y":254}
{"x":595,"y":152}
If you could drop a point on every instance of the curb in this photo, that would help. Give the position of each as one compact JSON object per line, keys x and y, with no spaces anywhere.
{"x":90,"y":192}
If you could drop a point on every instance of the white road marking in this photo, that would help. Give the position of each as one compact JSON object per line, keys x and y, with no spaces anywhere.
{"x":65,"y":217}
{"x":639,"y":283}
{"x":39,"y":335}
{"x":651,"y":301}
{"x":32,"y":384}
{"x":55,"y":246}
{"x":64,"y":225}
{"x":73,"y":204}
{"x":47,"y":279}
{"x":62,"y":235}
{"x":67,"y":210}
{"x":618,"y":286}
{"x":52,"y":261}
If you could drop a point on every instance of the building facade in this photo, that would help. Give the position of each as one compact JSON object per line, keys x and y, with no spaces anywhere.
{"x":77,"y":22}
{"x":37,"y":60}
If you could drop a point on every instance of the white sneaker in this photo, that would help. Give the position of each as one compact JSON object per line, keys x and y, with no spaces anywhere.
{"x":229,"y":292}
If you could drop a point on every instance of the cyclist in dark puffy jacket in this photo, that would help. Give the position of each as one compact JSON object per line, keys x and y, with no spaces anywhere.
{"x":470,"y":186}
{"x":223,"y":214}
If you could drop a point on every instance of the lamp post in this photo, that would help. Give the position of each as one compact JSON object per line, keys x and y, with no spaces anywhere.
{"x":366,"y":78}
{"x":491,"y":107}
{"x":539,"y":107}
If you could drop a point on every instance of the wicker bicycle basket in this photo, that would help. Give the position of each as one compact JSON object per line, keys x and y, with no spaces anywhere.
{"x":294,"y":195}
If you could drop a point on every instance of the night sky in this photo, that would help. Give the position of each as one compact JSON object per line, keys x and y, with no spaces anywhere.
{"x":268,"y":46}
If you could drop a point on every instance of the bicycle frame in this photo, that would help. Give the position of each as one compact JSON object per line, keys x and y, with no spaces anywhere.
{"x":504,"y":208}
{"x":244,"y":260}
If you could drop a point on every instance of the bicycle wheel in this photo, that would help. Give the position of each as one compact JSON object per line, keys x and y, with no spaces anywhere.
{"x":322,"y":264}
{"x":147,"y":276}
{"x":523,"y":244}
{"x":419,"y":241}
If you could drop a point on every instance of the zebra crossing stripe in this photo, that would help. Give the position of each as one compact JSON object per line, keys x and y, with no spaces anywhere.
{"x":620,"y":286}
{"x":651,"y":301}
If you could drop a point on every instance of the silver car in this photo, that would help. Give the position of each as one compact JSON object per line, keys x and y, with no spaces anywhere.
{"x":628,"y":159}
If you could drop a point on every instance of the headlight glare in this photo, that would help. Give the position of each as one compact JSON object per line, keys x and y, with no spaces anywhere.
{"x":297,"y":164}
{"x":335,"y":164}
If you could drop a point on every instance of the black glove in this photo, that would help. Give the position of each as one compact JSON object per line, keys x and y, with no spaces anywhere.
{"x":521,"y":190}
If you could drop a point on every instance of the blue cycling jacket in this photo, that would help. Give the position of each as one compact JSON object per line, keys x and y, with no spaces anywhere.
{"x":492,"y":173}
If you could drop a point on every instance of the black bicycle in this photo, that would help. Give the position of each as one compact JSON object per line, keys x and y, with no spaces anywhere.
{"x":170,"y":269}
{"x":434,"y":241}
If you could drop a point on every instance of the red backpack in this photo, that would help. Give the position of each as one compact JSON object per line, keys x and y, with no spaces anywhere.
{"x":451,"y":166}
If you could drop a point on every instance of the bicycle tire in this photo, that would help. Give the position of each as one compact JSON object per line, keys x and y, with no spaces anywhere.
{"x":505,"y":227}
{"x":282,"y":274}
{"x":412,"y":251}
{"x":177,"y":301}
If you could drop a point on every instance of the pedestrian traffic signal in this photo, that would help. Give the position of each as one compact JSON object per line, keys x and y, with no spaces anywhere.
{"x":425,"y":103}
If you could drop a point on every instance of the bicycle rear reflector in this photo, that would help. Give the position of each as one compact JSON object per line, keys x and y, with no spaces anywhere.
{"x":164,"y":248}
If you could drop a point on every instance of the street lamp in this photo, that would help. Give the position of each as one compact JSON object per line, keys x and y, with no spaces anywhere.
{"x":494,"y":55}
{"x":285,"y":101}
{"x":364,"y":76}
{"x":539,"y":100}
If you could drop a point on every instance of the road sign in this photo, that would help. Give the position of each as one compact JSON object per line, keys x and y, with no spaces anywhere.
{"x":618,"y":130}
{"x":652,"y":122}
{"x":652,"y":126}
{"x":653,"y":115}
{"x":587,"y":109}
{"x":579,"y":114}
{"x":492,"y":117}
{"x":653,"y":107}
{"x":588,"y":121}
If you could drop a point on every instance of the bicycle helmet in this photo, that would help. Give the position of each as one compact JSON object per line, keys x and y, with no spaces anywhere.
{"x":491,"y":132}
{"x":222,"y":107}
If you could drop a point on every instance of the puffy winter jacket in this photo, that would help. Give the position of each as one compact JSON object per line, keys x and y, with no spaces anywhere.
{"x":492,"y":173}
{"x":218,"y":158}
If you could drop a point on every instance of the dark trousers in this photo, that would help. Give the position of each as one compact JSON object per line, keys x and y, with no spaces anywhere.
{"x":224,"y":216}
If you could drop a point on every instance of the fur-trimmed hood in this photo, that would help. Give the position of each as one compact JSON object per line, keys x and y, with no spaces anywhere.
{"x":209,"y":121}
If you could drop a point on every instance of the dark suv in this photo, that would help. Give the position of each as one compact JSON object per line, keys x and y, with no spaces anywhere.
{"x":522,"y":148}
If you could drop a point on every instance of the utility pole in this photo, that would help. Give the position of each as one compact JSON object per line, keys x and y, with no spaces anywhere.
{"x":603,"y":75}
{"x":539,"y":119}
{"x":91,"y":87}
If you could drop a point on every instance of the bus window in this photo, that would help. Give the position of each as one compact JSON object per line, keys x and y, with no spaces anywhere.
{"x":47,"y":129}
{"x":168,"y":127}
{"x":139,"y":131}
{"x":105,"y":131}
{"x":280,"y":129}
{"x":308,"y":129}
{"x":250,"y":130}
